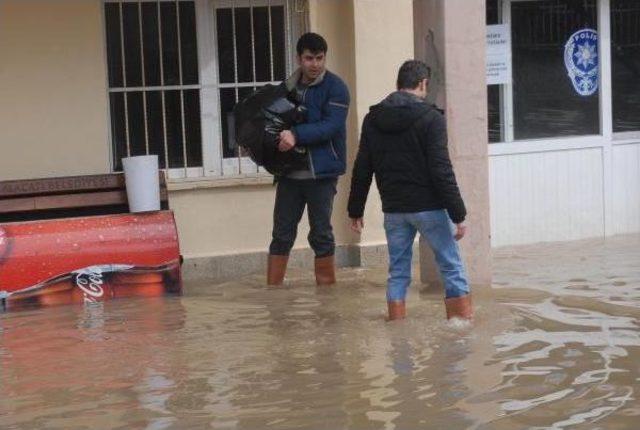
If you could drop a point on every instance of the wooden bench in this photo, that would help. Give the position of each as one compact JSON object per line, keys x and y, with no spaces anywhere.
{"x":64,"y":197}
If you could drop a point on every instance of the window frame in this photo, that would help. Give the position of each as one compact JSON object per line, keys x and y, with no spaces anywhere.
{"x":244,"y":166}
{"x":511,"y":146}
{"x":214,"y":166}
{"x":619,"y":137}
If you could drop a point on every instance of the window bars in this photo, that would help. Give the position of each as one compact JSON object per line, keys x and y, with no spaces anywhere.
{"x":153,"y":81}
{"x":252,"y":46}
{"x":176,"y":69}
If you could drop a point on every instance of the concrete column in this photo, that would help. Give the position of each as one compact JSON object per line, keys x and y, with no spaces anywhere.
{"x":453,"y":31}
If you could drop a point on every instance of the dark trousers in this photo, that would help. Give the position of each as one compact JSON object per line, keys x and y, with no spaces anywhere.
{"x":292,"y":195}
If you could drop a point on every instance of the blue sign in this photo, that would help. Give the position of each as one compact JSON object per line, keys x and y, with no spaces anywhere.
{"x":581,"y":61}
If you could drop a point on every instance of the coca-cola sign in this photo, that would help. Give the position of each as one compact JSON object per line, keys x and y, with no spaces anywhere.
{"x":99,"y":283}
{"x":91,"y":285}
{"x":91,"y":280}
{"x":35,"y":252}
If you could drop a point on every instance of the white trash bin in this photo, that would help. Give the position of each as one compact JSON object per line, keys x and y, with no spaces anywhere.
{"x":143,"y":182}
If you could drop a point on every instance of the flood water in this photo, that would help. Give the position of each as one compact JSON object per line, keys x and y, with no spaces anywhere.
{"x":555,"y":344}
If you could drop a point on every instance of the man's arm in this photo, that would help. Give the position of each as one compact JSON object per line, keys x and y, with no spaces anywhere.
{"x":334,"y":116}
{"x":361,"y":178}
{"x":441,"y":170}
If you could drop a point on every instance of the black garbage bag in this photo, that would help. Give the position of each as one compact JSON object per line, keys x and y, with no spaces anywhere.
{"x":260,"y":118}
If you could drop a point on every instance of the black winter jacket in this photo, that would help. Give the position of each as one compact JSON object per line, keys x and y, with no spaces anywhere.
{"x":404,"y":143}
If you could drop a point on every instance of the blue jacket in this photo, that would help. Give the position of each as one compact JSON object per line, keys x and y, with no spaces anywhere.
{"x":324,"y":133}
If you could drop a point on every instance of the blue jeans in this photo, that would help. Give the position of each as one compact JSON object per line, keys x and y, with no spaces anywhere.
{"x":437,"y":229}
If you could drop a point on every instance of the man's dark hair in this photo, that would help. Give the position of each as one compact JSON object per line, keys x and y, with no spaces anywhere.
{"x":312,"y":42}
{"x":411,"y":73}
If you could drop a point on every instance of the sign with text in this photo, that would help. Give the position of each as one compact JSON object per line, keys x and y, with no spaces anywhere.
{"x":498,"y":54}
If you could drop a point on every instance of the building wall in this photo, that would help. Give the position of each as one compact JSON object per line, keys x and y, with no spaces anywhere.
{"x":53,"y":103}
{"x":54,"y":122}
{"x":450,"y":36}
{"x":54,"y":114}
{"x":352,"y":29}
{"x":626,"y":186}
{"x":547,"y":196}
{"x":378,"y":56}
{"x":333,"y":19}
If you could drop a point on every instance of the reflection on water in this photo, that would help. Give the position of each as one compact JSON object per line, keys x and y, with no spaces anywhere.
{"x":555,"y":345}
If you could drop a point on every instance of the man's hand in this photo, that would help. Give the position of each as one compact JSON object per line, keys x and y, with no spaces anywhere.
{"x":461,"y":230}
{"x":357,"y":224}
{"x":287,"y":141}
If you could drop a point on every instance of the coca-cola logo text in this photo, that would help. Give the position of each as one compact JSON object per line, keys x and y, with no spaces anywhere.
{"x":91,"y":285}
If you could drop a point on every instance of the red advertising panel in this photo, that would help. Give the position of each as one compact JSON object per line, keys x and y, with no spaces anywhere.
{"x":89,"y":259}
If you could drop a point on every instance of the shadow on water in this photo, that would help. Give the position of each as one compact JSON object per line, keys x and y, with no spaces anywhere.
{"x":555,"y":344}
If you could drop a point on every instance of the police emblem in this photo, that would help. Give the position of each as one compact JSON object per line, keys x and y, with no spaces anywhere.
{"x":581,"y":61}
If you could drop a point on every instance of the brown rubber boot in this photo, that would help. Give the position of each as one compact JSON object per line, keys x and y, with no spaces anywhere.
{"x":276,"y":267}
{"x":397,"y":310}
{"x":459,"y":307}
{"x":325,"y":270}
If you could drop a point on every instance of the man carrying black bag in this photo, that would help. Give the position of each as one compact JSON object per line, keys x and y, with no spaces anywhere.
{"x":259,"y":120}
{"x":323,"y":137}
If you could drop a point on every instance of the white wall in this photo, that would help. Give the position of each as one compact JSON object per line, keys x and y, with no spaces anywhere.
{"x":546,"y":196}
{"x":561,"y":195}
{"x":626,"y":188}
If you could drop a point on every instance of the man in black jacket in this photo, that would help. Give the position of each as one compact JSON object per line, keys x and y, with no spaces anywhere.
{"x":404,"y":143}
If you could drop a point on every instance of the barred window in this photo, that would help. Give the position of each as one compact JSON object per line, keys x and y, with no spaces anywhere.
{"x":176,"y":69}
{"x":252,"y":52}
